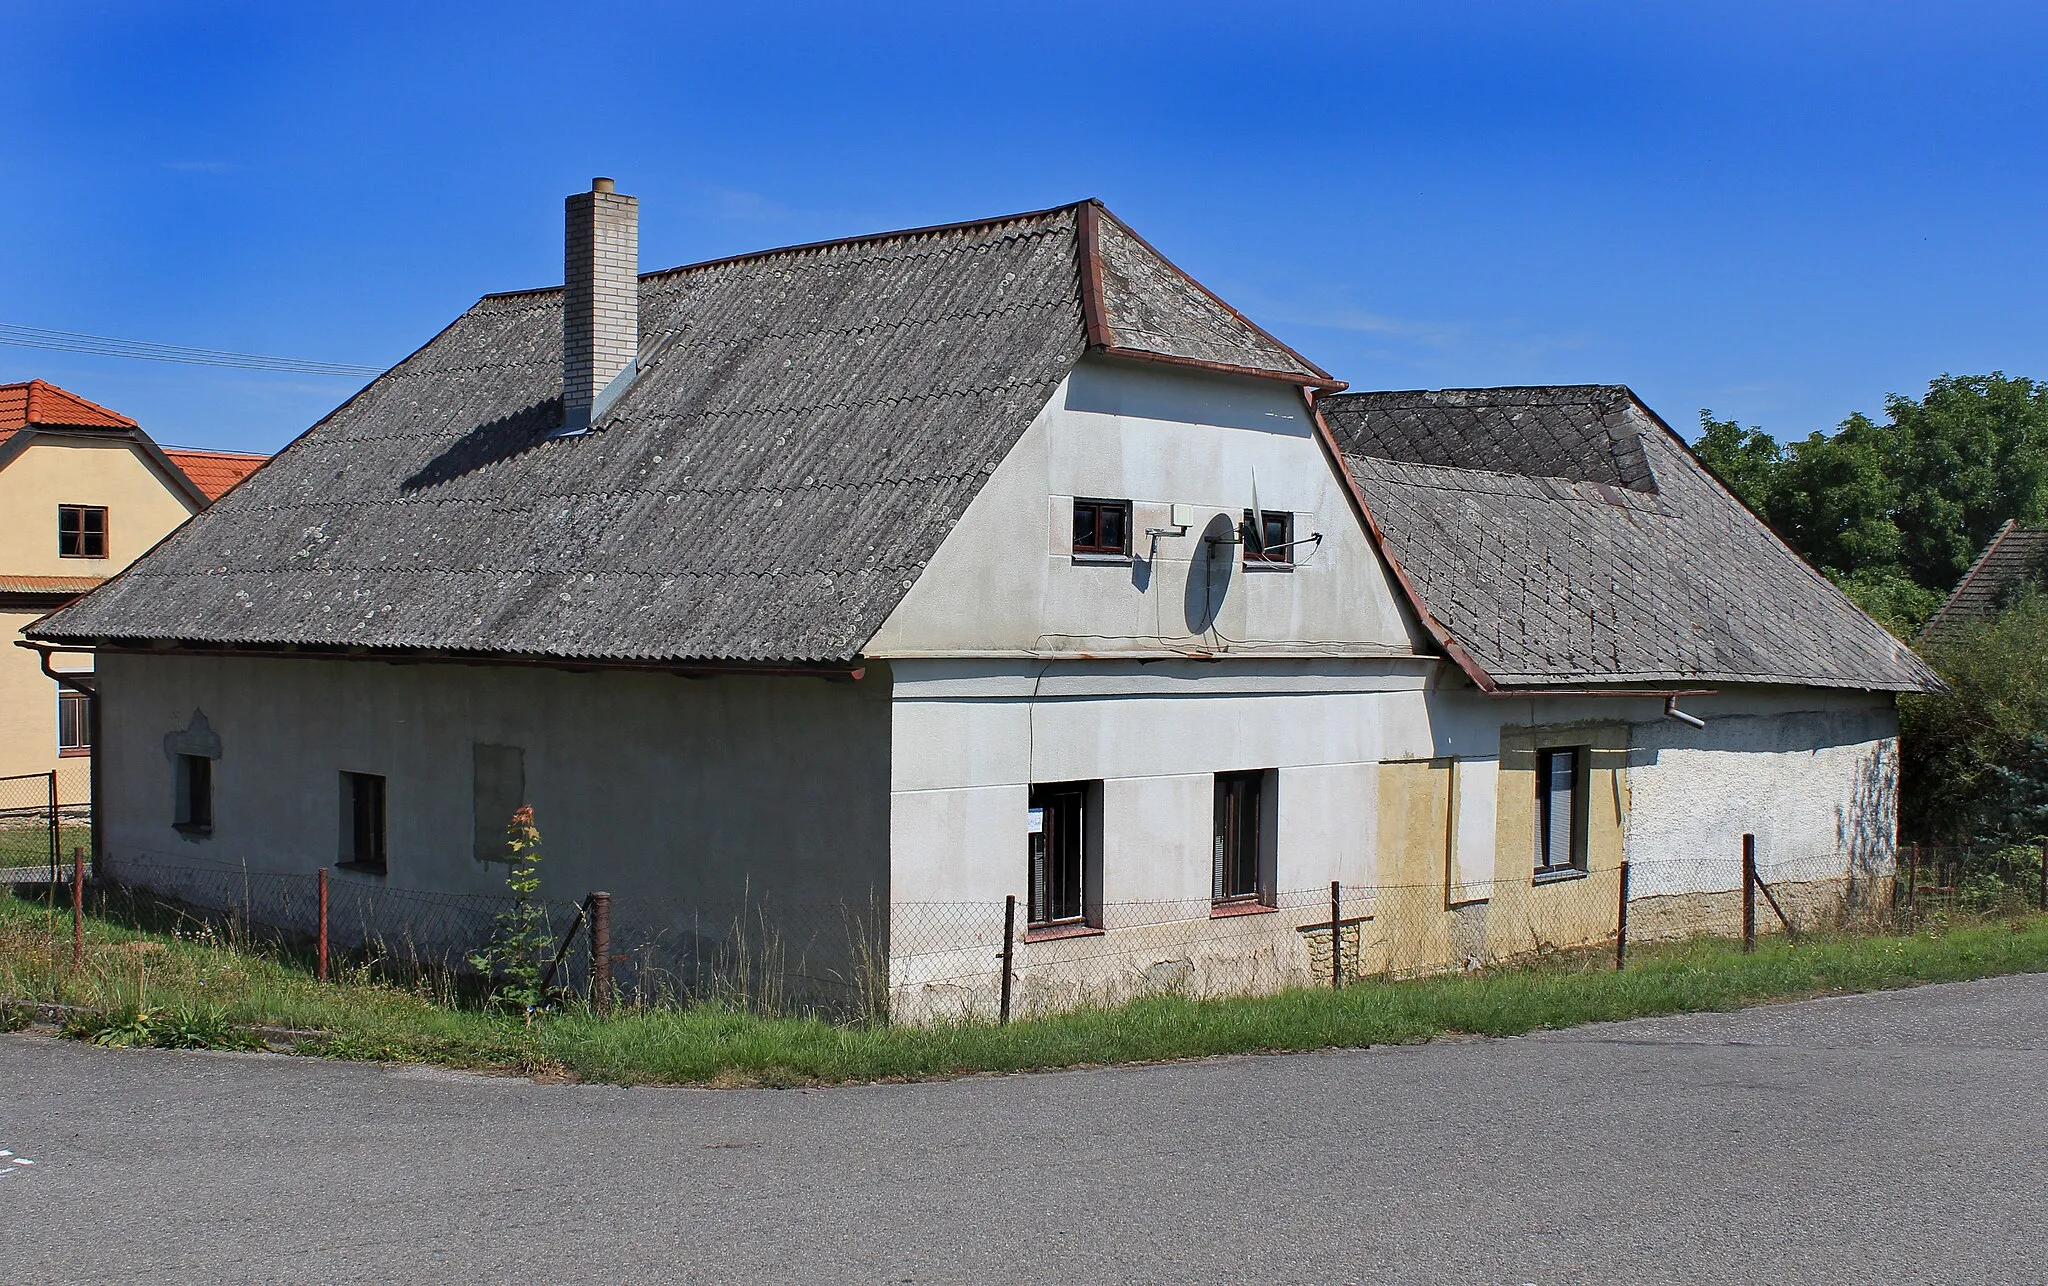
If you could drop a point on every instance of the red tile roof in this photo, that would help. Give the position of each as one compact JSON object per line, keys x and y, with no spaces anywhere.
{"x":214,"y":472}
{"x":38,"y":402}
{"x":47,"y":584}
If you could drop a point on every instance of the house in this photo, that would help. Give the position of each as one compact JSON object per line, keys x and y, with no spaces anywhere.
{"x":1001,"y":559}
{"x":2015,"y":558}
{"x":83,"y":492}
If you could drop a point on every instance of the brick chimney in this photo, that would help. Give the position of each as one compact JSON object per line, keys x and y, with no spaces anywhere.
{"x":600,"y":296}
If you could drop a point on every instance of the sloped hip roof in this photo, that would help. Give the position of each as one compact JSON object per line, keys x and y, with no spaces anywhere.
{"x":1566,"y":537}
{"x":807,"y":426}
{"x":2011,"y":558}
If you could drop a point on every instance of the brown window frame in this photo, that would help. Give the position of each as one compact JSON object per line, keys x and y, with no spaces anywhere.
{"x":80,"y":534}
{"x":1094,"y":546}
{"x":365,"y":808}
{"x":1576,"y":795}
{"x":73,"y":704}
{"x":1060,"y":898}
{"x":1258,"y":545}
{"x":1240,"y":830}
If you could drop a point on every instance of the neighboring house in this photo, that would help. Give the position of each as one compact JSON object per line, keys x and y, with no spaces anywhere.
{"x":1000,"y":558}
{"x":2016,"y":558}
{"x":83,"y":492}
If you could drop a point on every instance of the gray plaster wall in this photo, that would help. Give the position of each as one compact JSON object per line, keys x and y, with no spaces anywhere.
{"x":679,"y":796}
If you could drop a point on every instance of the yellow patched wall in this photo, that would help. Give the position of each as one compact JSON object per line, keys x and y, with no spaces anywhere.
{"x":1412,"y":929}
{"x":1524,"y":915}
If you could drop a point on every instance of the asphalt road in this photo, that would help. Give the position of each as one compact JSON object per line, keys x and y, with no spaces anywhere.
{"x":1890,"y":1138}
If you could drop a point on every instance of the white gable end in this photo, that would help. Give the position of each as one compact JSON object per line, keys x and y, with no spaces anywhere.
{"x":1007,"y":580}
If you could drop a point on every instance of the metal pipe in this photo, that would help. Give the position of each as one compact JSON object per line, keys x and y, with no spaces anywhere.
{"x":1748,"y":893}
{"x":1009,"y":957}
{"x":77,"y":909}
{"x":1671,"y":711}
{"x":320,"y":969}
{"x":1336,"y":936}
{"x":601,"y":953}
{"x":1621,"y":924}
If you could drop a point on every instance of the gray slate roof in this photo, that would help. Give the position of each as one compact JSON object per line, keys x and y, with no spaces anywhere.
{"x":808,"y":426}
{"x":2013,"y":557}
{"x":1565,"y":536}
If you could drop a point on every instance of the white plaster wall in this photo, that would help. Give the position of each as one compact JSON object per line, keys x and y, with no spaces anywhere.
{"x":669,"y":793}
{"x":1005,"y":581}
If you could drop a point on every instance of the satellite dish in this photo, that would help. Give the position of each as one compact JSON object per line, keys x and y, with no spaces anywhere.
{"x":1257,"y":535}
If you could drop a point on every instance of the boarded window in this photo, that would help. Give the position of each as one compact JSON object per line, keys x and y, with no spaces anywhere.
{"x":362,"y":822}
{"x":1058,"y":827}
{"x":1560,"y":810}
{"x":81,"y":531}
{"x":500,"y":790}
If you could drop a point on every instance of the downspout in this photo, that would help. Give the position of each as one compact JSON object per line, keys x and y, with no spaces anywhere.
{"x":90,"y":688}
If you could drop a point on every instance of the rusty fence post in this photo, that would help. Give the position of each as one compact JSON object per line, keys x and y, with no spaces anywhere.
{"x":2042,"y":904}
{"x":1336,"y":935}
{"x":1009,"y":956}
{"x":1913,"y":881}
{"x":1621,"y":923}
{"x":1748,"y":893}
{"x":77,"y":908}
{"x":601,"y":953}
{"x":320,"y":970}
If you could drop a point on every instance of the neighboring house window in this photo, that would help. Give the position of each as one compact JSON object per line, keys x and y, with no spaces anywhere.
{"x":81,"y":531}
{"x":1560,"y":810}
{"x":1240,"y":875}
{"x":362,"y":817}
{"x":74,"y":723}
{"x":195,"y":795}
{"x":1270,"y":541}
{"x":1060,"y":860}
{"x":1102,"y":527}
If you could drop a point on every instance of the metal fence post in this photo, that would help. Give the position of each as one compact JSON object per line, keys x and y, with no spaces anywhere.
{"x":1621,"y":923}
{"x":320,"y":970}
{"x":56,"y":830}
{"x":1748,"y":893}
{"x":2043,"y":903}
{"x":1009,"y":955}
{"x":77,"y":908}
{"x":1336,"y":936}
{"x":1913,"y":881}
{"x":601,"y":953}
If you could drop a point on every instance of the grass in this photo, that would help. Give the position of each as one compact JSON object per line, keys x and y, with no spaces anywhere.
{"x":162,"y":982}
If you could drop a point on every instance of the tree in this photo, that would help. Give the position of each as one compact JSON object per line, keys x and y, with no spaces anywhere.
{"x":1974,"y":759}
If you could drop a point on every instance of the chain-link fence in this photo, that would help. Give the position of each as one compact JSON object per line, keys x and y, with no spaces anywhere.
{"x":870,"y":959}
{"x":34,"y":825}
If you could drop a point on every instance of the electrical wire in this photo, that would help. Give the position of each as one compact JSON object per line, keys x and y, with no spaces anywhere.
{"x":64,"y":341}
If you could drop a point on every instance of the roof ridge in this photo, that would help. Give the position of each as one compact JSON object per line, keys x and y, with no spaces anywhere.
{"x":831,"y":243}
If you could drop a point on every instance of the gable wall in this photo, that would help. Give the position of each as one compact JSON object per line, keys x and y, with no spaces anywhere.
{"x":81,"y":470}
{"x":1005,"y":580}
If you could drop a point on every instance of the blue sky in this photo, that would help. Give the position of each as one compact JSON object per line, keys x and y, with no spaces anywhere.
{"x":1780,"y":212}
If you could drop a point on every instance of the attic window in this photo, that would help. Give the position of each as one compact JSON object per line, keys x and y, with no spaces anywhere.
{"x":1270,"y":541}
{"x":81,"y":531}
{"x":1102,"y":528}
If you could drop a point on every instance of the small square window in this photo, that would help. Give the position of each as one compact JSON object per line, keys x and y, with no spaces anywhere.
{"x":1560,"y":810}
{"x":1269,"y":538}
{"x":81,"y":531}
{"x":1102,"y":528}
{"x":362,"y":822}
{"x":195,"y":795}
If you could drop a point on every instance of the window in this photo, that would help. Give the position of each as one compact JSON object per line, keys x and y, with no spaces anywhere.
{"x":195,"y":795}
{"x":1271,"y":543}
{"x":500,"y":790}
{"x":1102,"y":528}
{"x":81,"y":531}
{"x":74,"y":723}
{"x":362,"y":822}
{"x":1242,"y":829}
{"x":1560,"y":810}
{"x":1062,"y":844}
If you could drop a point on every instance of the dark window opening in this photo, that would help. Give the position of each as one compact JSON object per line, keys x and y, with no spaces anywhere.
{"x":1270,"y":540}
{"x":1102,"y":527}
{"x":362,"y":840}
{"x":195,"y":794}
{"x":81,"y":531}
{"x":1059,"y":854}
{"x":1560,"y":810}
{"x":74,"y":722}
{"x":1240,"y":850}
